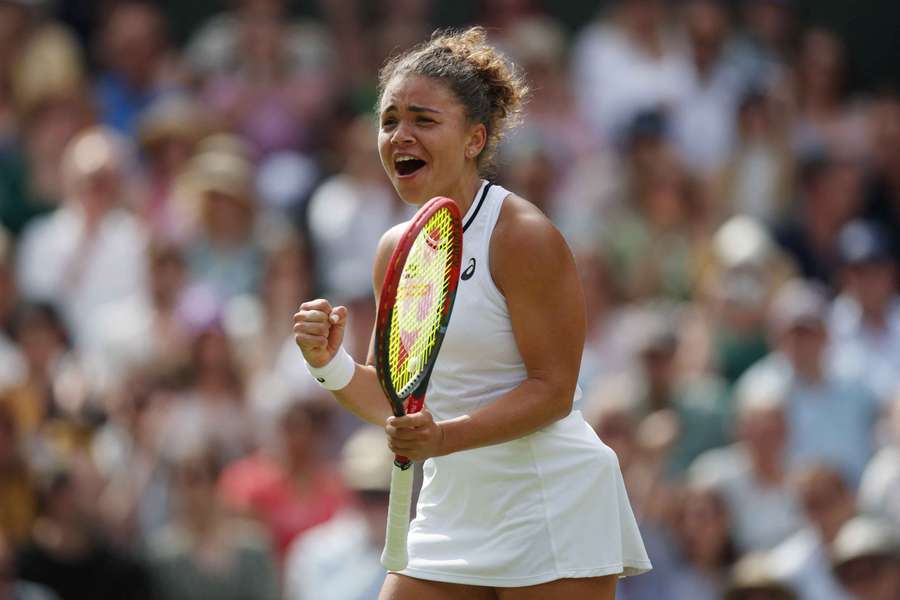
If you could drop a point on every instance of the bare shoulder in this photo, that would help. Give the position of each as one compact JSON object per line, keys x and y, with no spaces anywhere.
{"x":524,"y":236}
{"x":383,"y":253}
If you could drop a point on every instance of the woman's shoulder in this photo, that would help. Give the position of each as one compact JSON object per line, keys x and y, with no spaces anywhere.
{"x":390,"y":239}
{"x":523,"y":236}
{"x":522,"y":223}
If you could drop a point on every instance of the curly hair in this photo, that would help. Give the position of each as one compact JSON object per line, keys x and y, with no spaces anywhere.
{"x":491,"y":89}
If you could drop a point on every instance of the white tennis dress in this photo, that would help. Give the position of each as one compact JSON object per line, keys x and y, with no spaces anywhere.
{"x":546,"y":506}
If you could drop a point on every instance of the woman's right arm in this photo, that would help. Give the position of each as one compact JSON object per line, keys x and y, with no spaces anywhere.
{"x":319,"y":332}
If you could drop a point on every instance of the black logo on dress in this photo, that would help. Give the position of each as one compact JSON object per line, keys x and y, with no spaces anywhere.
{"x":470,"y":270}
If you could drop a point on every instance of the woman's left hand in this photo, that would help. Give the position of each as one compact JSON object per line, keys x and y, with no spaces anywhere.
{"x":415,"y":436}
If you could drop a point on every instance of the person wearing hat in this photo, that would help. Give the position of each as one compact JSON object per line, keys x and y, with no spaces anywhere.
{"x":830,"y":414}
{"x":225,"y":253}
{"x":803,"y":560}
{"x":865,"y":319}
{"x":879,"y":490}
{"x":752,"y":579}
{"x":865,"y":558}
{"x":340,"y":560}
{"x":47,"y":92}
{"x":167,"y":134}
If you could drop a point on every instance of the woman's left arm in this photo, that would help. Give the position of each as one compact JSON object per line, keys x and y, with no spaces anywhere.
{"x":534,"y":269}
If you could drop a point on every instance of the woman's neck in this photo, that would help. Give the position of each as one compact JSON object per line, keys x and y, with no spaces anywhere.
{"x":463,"y":193}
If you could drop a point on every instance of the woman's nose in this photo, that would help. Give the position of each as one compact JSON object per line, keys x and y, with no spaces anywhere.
{"x":401,"y":135}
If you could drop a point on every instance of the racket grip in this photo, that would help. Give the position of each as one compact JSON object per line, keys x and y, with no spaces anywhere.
{"x":395,"y":557}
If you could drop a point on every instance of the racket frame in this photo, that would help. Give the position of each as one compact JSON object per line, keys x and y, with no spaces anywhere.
{"x":395,"y":557}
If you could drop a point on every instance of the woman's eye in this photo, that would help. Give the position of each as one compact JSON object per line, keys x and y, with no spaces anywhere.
{"x":388,"y":122}
{"x":425,"y":120}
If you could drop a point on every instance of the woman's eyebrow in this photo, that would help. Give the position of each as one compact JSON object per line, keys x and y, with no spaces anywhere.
{"x":412,"y":108}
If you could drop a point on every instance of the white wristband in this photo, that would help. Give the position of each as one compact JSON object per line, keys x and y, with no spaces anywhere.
{"x":337,"y":373}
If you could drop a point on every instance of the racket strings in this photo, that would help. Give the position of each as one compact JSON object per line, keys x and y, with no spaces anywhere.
{"x":421,"y":300}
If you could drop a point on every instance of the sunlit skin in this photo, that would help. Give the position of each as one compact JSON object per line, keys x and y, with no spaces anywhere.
{"x":421,"y":117}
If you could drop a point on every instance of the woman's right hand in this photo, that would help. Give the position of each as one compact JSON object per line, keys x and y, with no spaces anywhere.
{"x":319,"y":330}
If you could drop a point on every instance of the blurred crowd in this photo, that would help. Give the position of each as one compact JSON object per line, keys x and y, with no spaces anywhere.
{"x":734,"y":209}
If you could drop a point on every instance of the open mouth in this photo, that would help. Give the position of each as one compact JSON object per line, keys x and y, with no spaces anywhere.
{"x":407,"y":165}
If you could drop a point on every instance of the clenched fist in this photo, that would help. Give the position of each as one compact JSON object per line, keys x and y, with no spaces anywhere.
{"x":319,"y":330}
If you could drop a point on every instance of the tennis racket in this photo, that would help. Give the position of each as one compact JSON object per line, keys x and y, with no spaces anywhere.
{"x":413,"y":313}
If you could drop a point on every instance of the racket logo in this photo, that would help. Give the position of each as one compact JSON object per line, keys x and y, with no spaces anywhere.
{"x":470,"y":270}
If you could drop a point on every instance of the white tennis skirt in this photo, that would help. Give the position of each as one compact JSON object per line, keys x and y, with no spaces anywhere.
{"x":548,"y":506}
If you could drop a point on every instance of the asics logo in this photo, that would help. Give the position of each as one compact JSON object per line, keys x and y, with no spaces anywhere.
{"x":470,"y":270}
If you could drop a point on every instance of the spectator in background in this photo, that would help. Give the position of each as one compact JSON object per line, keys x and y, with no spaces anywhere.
{"x":138,"y":65}
{"x":744,"y":269}
{"x":91,"y":250}
{"x":128,"y":452}
{"x":764,"y":45}
{"x":12,"y":364}
{"x":830,"y":191}
{"x":883,"y":188}
{"x":600,"y":186}
{"x":830,"y":415}
{"x":751,"y":475}
{"x":865,"y":557}
{"x":657,"y":241}
{"x":17,"y":21}
{"x":213,"y":403}
{"x":66,"y":553}
{"x":203,"y":553}
{"x":694,"y":402}
{"x":703,"y":122}
{"x":17,"y":498}
{"x":701,"y":528}
{"x":167,"y":134}
{"x":224,"y":253}
{"x":757,"y":179}
{"x":13,"y":588}
{"x":824,"y":118}
{"x":627,"y":64}
{"x":864,"y":324}
{"x":52,"y":105}
{"x":341,"y":559}
{"x":287,"y":484}
{"x":149,"y":327}
{"x":553,"y":138}
{"x":267,"y":77}
{"x":879,"y":490}
{"x":38,"y":402}
{"x":803,"y":560}
{"x":752,"y":579}
{"x":401,"y":24}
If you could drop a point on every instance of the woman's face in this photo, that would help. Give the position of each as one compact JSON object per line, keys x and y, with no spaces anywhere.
{"x":421,"y":119}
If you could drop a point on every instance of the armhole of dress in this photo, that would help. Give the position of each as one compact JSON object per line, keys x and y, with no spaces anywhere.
{"x":493,"y":216}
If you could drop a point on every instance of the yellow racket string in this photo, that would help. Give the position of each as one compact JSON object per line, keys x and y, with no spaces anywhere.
{"x":421,"y":291}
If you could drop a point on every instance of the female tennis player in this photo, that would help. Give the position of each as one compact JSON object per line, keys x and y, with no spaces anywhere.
{"x":520,"y":499}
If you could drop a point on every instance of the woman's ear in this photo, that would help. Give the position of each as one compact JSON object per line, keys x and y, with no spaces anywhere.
{"x":477,"y":140}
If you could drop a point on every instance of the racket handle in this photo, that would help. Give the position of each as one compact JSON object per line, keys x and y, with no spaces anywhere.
{"x":395,"y":557}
